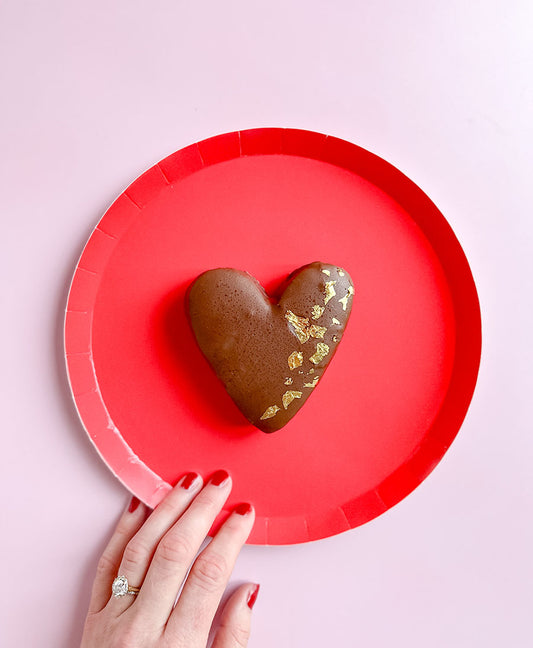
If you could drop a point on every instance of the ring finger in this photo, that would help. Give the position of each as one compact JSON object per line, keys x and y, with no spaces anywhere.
{"x":140,"y":549}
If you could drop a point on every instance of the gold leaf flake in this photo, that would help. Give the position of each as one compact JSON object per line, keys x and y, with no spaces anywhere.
{"x":289,"y":396}
{"x":344,"y":300}
{"x":317,"y":331}
{"x":326,"y":272}
{"x":299,"y":325}
{"x":321,"y":352}
{"x":334,"y":320}
{"x":317,"y":311}
{"x":295,"y":360}
{"x":302,"y":330}
{"x":270,"y":412}
{"x":312,"y":384}
{"x":312,"y":370}
{"x":335,"y":338}
{"x":329,"y":291}
{"x":341,"y":272}
{"x":288,"y":381}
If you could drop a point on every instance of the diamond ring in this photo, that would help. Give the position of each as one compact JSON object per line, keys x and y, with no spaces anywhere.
{"x":121,"y":587}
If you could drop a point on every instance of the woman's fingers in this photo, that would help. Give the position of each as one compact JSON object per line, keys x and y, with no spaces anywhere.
{"x":130,"y":522}
{"x":177,"y":549}
{"x":209,"y":576}
{"x":155,"y":554}
{"x":235,"y":622}
{"x":138,"y":552}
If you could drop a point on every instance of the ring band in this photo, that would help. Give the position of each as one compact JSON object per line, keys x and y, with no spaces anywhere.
{"x":121,"y":587}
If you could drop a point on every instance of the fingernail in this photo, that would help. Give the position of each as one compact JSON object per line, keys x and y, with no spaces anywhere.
{"x":252,"y":597}
{"x":134,"y":503}
{"x":243,"y":509}
{"x":219,"y":478}
{"x":188,"y":480}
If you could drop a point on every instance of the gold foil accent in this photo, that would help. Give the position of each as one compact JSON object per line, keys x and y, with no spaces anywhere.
{"x":289,"y":396}
{"x":299,"y":325}
{"x":295,"y":360}
{"x":344,"y":300}
{"x":335,"y":338}
{"x":329,"y":291}
{"x":317,"y":331}
{"x":314,"y":383}
{"x":327,"y":272}
{"x":303,"y":331}
{"x":312,"y":370}
{"x":321,"y":352}
{"x":317,"y":311}
{"x":270,"y":412}
{"x":341,"y":272}
{"x":288,"y":381}
{"x":334,"y":320}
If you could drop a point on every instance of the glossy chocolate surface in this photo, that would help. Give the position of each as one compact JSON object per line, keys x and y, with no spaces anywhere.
{"x":270,"y":356}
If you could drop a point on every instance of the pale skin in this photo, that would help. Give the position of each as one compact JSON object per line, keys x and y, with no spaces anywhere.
{"x":155,"y":551}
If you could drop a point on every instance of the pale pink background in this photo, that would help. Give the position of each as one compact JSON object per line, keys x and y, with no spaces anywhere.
{"x":95,"y":93}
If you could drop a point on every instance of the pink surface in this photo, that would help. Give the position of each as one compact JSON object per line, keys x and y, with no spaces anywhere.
{"x":93,"y":96}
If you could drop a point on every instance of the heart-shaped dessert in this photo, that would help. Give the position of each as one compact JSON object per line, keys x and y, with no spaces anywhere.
{"x":270,"y":356}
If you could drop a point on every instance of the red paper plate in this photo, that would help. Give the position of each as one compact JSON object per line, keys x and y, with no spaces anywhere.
{"x":268,"y":201}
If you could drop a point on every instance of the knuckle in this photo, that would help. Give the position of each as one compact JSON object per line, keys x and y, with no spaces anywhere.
{"x":103,"y":630}
{"x":106,"y":565}
{"x":134,"y":632}
{"x":124,"y":533}
{"x":206,"y":500}
{"x":238,"y":634}
{"x":134,"y":555}
{"x":175,"y":550}
{"x":123,"y":530}
{"x":127,"y":638}
{"x":210,"y":571}
{"x":167,"y":508}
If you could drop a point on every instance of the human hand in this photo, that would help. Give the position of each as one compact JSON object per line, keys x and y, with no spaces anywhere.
{"x":155,"y":554}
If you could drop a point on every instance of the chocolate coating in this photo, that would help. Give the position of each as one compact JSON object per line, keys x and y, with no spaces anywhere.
{"x":270,"y":357}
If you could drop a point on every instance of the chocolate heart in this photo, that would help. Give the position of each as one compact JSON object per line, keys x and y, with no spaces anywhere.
{"x":270,"y":356}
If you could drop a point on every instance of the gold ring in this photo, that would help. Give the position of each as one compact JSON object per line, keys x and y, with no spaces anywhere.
{"x":121,"y":587}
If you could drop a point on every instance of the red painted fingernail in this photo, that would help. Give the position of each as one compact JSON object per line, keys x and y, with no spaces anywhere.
{"x":243,"y":509}
{"x":252,"y":597}
{"x":189,"y":479}
{"x":218,"y":478}
{"x":134,"y":503}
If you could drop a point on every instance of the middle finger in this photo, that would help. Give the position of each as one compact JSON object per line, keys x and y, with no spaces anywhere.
{"x":177,"y":550}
